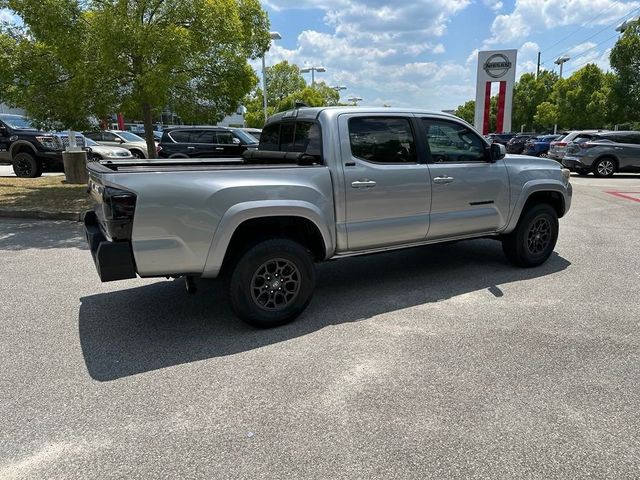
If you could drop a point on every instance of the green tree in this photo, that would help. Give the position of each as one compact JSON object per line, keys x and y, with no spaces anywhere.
{"x":581,"y":99}
{"x":528,"y":93}
{"x":546,"y":115}
{"x":625,"y":61}
{"x":466,"y":111}
{"x":283,"y":79}
{"x":77,"y":58}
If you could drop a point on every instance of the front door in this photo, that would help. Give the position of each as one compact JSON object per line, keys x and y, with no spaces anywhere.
{"x":5,"y":143}
{"x":230,"y":145}
{"x":470,"y":193}
{"x":387,"y":189}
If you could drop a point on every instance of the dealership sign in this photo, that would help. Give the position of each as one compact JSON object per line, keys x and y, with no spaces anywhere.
{"x":495,"y":66}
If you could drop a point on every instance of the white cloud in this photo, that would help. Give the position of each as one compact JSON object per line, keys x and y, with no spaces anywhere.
{"x":536,"y":15}
{"x":378,"y":47}
{"x":495,"y":5}
{"x":7,"y":17}
{"x":581,"y":48}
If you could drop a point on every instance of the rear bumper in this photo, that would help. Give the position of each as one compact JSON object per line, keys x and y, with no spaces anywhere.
{"x":574,"y":164}
{"x":113,"y":260}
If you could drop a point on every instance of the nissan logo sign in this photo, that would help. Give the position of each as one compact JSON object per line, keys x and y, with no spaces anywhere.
{"x":497,"y":65}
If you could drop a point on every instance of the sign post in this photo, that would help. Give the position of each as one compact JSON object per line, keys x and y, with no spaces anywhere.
{"x":495,"y":66}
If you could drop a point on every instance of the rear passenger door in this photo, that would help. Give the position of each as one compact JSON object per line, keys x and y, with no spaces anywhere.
{"x":628,"y":150}
{"x":387,"y":188}
{"x":470,"y":193}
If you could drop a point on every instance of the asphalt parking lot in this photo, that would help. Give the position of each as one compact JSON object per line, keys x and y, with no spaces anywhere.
{"x":438,"y":362}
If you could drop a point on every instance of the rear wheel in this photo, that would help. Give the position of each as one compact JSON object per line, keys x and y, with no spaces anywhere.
{"x":25,"y":165}
{"x":534,"y":238}
{"x":137,"y":154}
{"x":272,"y":283}
{"x":604,"y":167}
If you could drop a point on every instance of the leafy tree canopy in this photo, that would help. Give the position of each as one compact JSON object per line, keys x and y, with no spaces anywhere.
{"x":73,"y":59}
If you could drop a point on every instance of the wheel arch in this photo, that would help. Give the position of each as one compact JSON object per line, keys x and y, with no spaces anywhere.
{"x":22,"y":146}
{"x":554,"y":193}
{"x":246,"y":223}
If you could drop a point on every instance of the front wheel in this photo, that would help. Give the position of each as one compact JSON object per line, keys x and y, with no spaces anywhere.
{"x":534,"y":238}
{"x":137,"y":154}
{"x":272,"y":283}
{"x":605,"y":167}
{"x":26,"y":165}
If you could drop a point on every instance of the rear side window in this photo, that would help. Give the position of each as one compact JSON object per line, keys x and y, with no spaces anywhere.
{"x":203,"y":136}
{"x":299,"y":136}
{"x":181,"y":136}
{"x":382,"y":140}
{"x":270,"y":137}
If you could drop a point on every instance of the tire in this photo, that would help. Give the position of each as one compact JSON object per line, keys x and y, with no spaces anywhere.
{"x":137,"y":154}
{"x":178,"y":155}
{"x":262,"y":266}
{"x":25,"y":165}
{"x":534,"y":238}
{"x":543,"y":155}
{"x":605,"y":167}
{"x":94,"y":158}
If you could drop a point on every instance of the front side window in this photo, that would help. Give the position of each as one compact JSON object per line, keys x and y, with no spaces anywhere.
{"x":203,"y":136}
{"x":225,"y":138}
{"x":382,"y":139}
{"x":109,"y":137}
{"x":451,"y":142}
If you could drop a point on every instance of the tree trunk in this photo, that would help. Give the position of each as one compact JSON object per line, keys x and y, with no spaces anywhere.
{"x":147,"y":119}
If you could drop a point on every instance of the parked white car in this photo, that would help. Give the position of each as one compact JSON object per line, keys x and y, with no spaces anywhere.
{"x":121,"y":138}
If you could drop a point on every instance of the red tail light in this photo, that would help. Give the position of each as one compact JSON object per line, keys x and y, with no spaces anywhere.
{"x":558,"y":144}
{"x":586,"y":145}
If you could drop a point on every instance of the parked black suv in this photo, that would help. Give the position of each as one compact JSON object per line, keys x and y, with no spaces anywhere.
{"x":205,"y":142}
{"x":28,"y":149}
{"x":516,"y":144}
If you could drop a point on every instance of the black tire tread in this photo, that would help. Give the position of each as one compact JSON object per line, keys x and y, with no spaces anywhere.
{"x":513,"y":243}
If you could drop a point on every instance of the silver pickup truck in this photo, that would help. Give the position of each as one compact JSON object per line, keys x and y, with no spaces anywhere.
{"x":325,"y":183}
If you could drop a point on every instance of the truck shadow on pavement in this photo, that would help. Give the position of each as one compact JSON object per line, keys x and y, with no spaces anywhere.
{"x":138,"y":330}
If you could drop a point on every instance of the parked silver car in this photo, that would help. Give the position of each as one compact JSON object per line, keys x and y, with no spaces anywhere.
{"x":558,"y":148}
{"x":97,"y":152}
{"x":605,"y":154}
{"x":121,"y":138}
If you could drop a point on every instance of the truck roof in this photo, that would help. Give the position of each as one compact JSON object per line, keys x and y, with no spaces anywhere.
{"x":314,"y":112}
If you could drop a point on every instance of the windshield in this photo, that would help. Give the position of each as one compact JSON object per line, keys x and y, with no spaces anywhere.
{"x":130,"y":137}
{"x":89,"y":142}
{"x":17,"y":122}
{"x":244,"y":136}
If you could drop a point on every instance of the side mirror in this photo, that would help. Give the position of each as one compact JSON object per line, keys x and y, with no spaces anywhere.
{"x":121,"y":141}
{"x":498,"y":152}
{"x":236,"y":141}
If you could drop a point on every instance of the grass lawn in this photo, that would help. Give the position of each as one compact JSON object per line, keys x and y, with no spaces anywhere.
{"x":50,"y":194}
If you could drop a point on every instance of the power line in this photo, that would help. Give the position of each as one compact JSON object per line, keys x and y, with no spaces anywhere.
{"x":578,"y":29}
{"x":576,"y":67}
{"x":597,"y":33}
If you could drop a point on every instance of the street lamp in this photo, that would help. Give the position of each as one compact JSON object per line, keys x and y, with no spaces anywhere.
{"x":337,"y":88}
{"x":273,"y":36}
{"x":313,"y":69}
{"x":561,"y":61}
{"x":353,"y":99}
{"x":626,"y":24}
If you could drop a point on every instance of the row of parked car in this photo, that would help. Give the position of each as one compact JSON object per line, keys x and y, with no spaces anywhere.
{"x":32,"y":151}
{"x":600,"y":152}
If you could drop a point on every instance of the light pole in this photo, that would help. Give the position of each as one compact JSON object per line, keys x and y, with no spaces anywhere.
{"x":337,"y":88}
{"x":313,"y":69}
{"x":274,"y":36}
{"x":354,"y":99}
{"x":561,"y":61}
{"x":626,"y":24}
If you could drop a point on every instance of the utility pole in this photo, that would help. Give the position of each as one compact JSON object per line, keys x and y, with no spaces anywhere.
{"x":538,"y":67}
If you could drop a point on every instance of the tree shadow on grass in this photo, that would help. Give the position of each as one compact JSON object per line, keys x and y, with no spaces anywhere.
{"x":155,"y":326}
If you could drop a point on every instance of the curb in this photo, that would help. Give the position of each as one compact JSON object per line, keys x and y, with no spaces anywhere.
{"x":42,"y":215}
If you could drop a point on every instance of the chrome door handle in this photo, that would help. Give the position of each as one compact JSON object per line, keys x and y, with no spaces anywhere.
{"x":443,"y":179}
{"x":219,"y":148}
{"x":363,"y":184}
{"x":191,"y":148}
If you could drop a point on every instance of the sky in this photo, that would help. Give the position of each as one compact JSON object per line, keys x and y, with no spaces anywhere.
{"x":422,"y":53}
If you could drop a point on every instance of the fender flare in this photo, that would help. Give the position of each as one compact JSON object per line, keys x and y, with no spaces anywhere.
{"x":241,"y":212}
{"x":531,"y":187}
{"x":21,"y":143}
